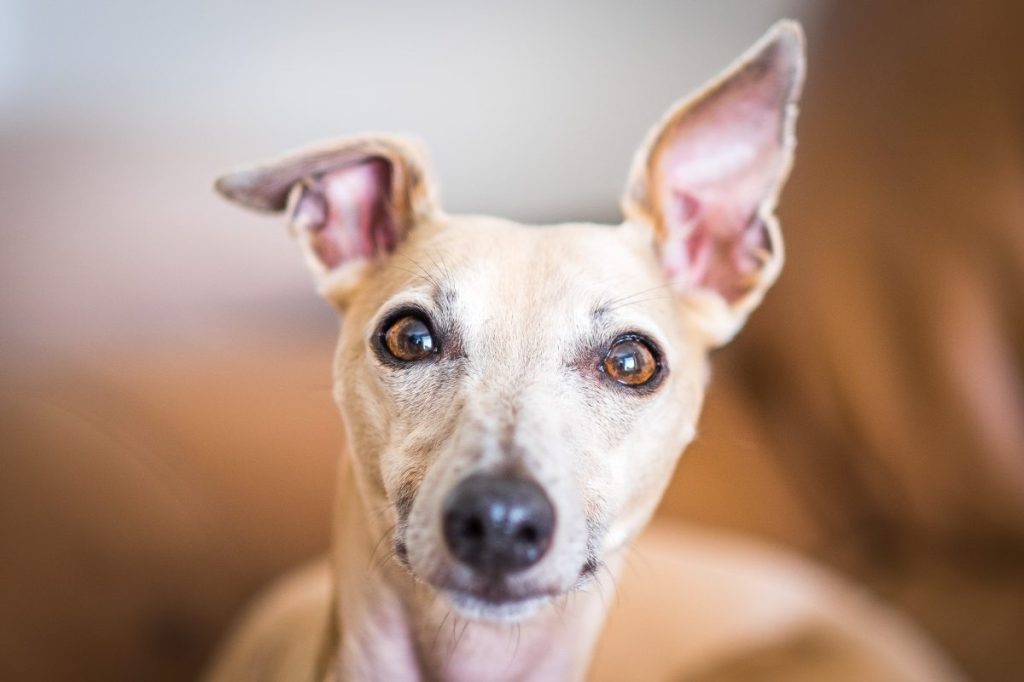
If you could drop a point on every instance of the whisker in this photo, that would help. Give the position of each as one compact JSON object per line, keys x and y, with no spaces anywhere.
{"x":517,"y":629}
{"x":462,"y":632}
{"x":437,"y":633}
{"x":632,"y":555}
{"x":639,"y":301}
{"x":603,"y":568}
{"x":414,"y":274}
{"x":442,"y":271}
{"x":371,"y":563}
{"x":425,"y":273}
{"x":619,"y":299}
{"x":451,"y":642}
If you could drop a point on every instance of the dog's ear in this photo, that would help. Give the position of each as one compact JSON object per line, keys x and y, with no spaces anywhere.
{"x":708,"y":177}
{"x":349,"y":202}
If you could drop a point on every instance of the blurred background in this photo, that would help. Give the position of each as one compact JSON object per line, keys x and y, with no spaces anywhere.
{"x":167,"y":438}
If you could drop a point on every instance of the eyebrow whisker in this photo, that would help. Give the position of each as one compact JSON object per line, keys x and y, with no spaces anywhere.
{"x":426,"y":278}
{"x":424,"y":273}
{"x":639,"y":301}
{"x":613,"y":303}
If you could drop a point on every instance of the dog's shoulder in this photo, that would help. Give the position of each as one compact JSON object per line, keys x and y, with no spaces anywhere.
{"x":698,"y":600}
{"x":280,"y":635}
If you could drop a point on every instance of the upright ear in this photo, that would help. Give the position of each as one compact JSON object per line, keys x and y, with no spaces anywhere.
{"x":708,"y":177}
{"x":349,"y":202}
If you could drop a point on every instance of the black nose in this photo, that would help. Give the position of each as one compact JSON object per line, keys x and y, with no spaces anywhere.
{"x":498,"y":525}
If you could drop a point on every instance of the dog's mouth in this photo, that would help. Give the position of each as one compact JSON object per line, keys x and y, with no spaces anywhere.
{"x":495,"y":597}
{"x":496,"y":602}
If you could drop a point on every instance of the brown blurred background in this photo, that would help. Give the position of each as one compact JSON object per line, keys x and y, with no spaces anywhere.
{"x":167,"y":438}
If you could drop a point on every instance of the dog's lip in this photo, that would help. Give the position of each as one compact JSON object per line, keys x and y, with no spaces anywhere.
{"x":500,"y":594}
{"x":492,"y":593}
{"x":495,"y":591}
{"x":497,"y":595}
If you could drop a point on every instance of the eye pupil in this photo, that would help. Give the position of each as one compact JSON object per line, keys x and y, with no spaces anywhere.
{"x":409,"y":338}
{"x":630,"y":362}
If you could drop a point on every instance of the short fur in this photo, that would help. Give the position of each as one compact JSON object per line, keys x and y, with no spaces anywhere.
{"x":523,"y":316}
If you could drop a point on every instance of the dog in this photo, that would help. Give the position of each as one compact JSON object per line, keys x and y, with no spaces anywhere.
{"x":515,"y":399}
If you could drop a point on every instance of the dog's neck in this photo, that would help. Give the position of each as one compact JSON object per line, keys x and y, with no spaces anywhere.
{"x":388,"y":627}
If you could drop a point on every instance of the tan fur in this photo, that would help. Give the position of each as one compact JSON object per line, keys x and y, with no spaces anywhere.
{"x":642,"y":204}
{"x":521,"y":392}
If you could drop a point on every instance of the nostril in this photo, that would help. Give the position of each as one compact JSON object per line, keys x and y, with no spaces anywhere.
{"x":473,"y":528}
{"x":527,"y":535}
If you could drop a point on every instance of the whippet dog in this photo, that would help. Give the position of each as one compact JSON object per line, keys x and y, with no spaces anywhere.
{"x":515,"y":400}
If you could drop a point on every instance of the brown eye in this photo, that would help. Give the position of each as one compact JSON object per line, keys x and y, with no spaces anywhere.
{"x":409,"y":339}
{"x":630,"y":362}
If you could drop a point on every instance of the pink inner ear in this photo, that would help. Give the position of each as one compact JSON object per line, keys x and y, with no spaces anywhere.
{"x":716,"y":169}
{"x":726,"y":263}
{"x":711,"y":248}
{"x":348,"y":213}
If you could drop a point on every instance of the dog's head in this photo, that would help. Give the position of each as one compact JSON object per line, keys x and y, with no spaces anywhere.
{"x":517,"y":397}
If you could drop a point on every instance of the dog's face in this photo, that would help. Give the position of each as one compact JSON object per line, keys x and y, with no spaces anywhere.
{"x":491,"y":368}
{"x":517,"y":397}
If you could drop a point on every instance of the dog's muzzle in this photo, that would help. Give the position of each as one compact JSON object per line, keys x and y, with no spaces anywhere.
{"x":498,"y":525}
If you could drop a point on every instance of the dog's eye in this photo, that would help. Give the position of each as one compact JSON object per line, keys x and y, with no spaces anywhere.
{"x":630,"y":361}
{"x":409,"y":339}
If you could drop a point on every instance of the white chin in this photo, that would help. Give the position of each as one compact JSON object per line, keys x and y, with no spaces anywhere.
{"x":468,"y":606}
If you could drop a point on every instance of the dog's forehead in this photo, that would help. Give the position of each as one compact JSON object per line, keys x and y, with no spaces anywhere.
{"x":545,"y":279}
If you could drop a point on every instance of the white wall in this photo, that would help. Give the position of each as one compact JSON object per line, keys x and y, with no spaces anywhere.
{"x":115,"y":116}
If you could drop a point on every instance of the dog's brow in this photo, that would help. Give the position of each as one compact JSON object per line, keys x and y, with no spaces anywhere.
{"x":444,"y":297}
{"x":601,"y":317}
{"x":442,"y":291}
